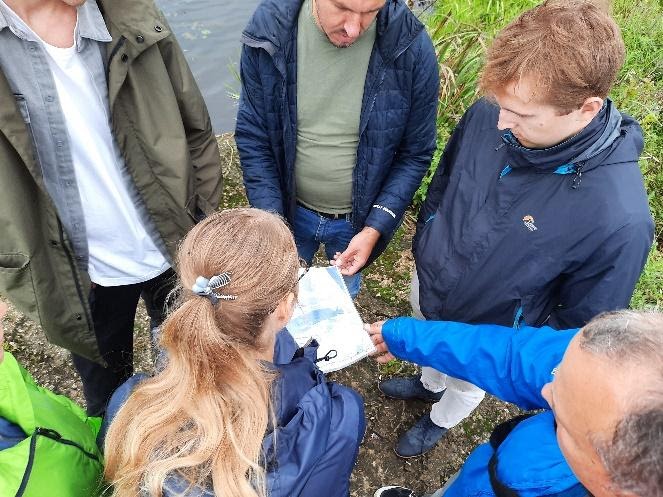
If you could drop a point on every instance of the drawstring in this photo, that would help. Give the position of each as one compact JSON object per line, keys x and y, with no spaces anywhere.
{"x":332,"y":354}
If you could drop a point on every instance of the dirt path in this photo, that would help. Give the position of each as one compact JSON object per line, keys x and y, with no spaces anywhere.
{"x":384,"y":295}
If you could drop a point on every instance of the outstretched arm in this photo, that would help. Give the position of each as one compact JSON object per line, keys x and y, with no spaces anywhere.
{"x":510,"y":364}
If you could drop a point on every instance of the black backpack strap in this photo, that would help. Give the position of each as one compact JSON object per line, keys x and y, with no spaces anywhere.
{"x":500,"y":489}
{"x":502,"y":430}
{"x":498,"y":436}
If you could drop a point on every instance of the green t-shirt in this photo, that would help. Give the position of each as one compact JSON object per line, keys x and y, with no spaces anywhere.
{"x":330,"y":88}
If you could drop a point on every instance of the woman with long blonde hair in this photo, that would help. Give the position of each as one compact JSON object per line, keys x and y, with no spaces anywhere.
{"x":202,"y":425}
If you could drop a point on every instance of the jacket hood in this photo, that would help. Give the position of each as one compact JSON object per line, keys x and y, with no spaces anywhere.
{"x":294,"y":380}
{"x":273,"y":23}
{"x":296,"y":374}
{"x":610,"y":138}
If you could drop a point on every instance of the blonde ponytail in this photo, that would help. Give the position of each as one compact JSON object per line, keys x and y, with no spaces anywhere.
{"x":204,"y":416}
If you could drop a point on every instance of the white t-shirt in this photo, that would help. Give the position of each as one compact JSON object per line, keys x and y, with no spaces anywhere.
{"x":120,"y":250}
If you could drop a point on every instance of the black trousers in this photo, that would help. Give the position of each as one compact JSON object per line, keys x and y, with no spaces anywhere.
{"x":113,"y":315}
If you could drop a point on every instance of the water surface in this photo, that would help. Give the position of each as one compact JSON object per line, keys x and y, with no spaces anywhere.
{"x":209,"y":33}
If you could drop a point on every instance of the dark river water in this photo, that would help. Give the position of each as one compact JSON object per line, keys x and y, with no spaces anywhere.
{"x":209,"y":32}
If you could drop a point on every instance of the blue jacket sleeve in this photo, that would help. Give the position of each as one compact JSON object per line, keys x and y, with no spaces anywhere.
{"x":416,"y":148}
{"x":510,"y":364}
{"x":607,"y":280}
{"x":259,"y":169}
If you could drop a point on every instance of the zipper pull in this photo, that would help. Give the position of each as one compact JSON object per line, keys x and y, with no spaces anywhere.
{"x":577,"y":179}
{"x":332,"y":354}
{"x":507,"y":169}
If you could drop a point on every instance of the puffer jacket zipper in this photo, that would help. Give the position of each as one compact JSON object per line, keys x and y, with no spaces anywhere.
{"x":363,"y":123}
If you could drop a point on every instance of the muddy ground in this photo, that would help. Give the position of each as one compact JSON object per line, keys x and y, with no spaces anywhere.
{"x":384,"y":295}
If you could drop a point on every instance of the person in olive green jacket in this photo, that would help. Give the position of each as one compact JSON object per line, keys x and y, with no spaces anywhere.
{"x":107,"y":158}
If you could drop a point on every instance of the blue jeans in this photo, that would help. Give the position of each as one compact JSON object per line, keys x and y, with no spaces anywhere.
{"x":311,"y":229}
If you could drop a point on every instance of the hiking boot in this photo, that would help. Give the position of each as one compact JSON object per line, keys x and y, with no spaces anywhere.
{"x":408,"y":388}
{"x":394,"y":492}
{"x":419,"y":439}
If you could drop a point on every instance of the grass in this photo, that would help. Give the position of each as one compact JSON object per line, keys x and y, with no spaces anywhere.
{"x":388,"y":278}
{"x":649,"y":293}
{"x":639,"y":90}
{"x":461,"y":31}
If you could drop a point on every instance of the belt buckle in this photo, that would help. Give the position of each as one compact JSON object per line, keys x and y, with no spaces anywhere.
{"x":345,"y":217}
{"x":327,"y":215}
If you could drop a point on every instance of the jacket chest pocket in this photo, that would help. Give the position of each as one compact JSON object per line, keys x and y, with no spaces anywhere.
{"x":16,"y":282}
{"x":22,"y":105}
{"x":534,"y":309}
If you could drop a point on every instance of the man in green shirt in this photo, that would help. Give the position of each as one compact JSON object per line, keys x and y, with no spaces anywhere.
{"x":336,"y":125}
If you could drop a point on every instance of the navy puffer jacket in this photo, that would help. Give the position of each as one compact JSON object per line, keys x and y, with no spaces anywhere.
{"x":397,"y":124}
{"x":510,"y":235}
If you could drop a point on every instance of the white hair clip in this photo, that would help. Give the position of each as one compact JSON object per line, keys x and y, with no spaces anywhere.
{"x":205,"y":287}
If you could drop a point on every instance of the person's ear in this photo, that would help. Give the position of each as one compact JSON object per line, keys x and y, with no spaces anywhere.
{"x":284,"y":310}
{"x":590,"y":107}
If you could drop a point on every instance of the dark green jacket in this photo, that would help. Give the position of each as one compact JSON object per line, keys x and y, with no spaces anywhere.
{"x":163,"y":128}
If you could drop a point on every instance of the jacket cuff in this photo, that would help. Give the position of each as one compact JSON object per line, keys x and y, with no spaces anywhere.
{"x":382,"y":219}
{"x":392,"y":336}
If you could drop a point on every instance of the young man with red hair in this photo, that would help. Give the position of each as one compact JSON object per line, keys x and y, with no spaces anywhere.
{"x":537,"y":214}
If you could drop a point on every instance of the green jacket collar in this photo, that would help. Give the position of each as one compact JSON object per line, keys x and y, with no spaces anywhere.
{"x":138,"y":21}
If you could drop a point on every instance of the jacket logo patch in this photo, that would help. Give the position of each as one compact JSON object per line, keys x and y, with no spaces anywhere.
{"x":529,"y":223}
{"x":383,"y":208}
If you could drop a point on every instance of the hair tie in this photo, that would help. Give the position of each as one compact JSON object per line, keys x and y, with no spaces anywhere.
{"x":205,"y":287}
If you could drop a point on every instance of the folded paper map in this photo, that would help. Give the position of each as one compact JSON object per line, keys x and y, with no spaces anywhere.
{"x":325,"y":312}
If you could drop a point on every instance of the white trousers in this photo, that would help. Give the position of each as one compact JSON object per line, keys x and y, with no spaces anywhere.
{"x":461,"y":397}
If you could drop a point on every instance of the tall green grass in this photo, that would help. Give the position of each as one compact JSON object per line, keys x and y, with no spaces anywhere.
{"x":461,"y":30}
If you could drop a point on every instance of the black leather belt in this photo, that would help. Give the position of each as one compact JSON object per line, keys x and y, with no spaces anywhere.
{"x":347,"y":216}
